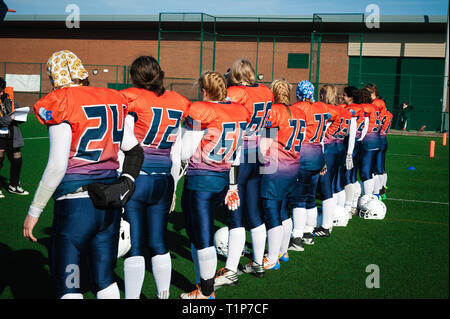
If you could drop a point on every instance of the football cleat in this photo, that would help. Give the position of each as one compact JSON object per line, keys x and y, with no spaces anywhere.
{"x":271,"y":266}
{"x":321,"y":232}
{"x":225,"y":277}
{"x":296,"y":244}
{"x":17,"y":190}
{"x":1,"y":194}
{"x":284,"y":257}
{"x":254,"y":268}
{"x":308,"y":239}
{"x":197,"y":294}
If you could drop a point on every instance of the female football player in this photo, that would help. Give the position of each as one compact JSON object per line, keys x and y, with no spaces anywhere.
{"x":86,"y":126}
{"x":332,"y":151}
{"x":351,"y":185}
{"x":257,"y":99}
{"x":282,"y":163}
{"x":370,"y":141}
{"x":377,"y":169}
{"x":155,"y":115}
{"x":211,"y":143}
{"x":312,"y":164}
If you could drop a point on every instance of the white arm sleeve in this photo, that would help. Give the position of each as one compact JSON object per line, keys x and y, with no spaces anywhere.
{"x":351,"y":136}
{"x":60,"y":139}
{"x":365,"y":129}
{"x":128,"y":140}
{"x":190,"y":141}
{"x":175,"y":155}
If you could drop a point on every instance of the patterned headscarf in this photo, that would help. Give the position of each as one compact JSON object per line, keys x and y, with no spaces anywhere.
{"x":64,"y":67}
{"x":305,"y":90}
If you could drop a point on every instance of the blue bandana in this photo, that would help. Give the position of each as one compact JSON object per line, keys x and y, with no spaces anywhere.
{"x":305,"y":90}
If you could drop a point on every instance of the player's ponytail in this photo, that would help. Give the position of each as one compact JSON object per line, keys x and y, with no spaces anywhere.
{"x":282,"y":93}
{"x":242,"y":72}
{"x":328,"y":94}
{"x":214,"y":84}
{"x":146,"y":73}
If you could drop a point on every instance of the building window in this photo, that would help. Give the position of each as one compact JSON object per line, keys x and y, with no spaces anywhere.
{"x":298,"y":60}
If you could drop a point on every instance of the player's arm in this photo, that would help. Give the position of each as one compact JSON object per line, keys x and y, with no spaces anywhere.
{"x":232,"y":197}
{"x":351,"y":144}
{"x":60,"y":139}
{"x":365,"y":129}
{"x":190,"y":140}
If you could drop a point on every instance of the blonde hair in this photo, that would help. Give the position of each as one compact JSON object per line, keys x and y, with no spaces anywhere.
{"x":281,"y":91}
{"x":241,"y":71}
{"x":329,"y":94}
{"x":214,"y":84}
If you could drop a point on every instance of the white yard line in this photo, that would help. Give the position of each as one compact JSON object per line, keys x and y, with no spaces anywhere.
{"x":35,"y":138}
{"x":417,"y":201}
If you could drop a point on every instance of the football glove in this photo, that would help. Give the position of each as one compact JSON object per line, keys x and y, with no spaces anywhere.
{"x":232,"y":198}
{"x":324,"y":170}
{"x":111,"y":196}
{"x":349,"y":162}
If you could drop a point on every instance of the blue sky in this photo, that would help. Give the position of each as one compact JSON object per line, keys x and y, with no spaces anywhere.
{"x":231,"y":7}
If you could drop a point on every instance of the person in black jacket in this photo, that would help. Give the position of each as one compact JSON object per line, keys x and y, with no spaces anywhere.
{"x":11,"y":141}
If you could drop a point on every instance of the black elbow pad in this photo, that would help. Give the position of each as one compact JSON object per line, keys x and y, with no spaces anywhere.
{"x":133,"y":161}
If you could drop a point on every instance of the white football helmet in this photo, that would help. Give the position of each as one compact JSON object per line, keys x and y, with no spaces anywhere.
{"x":340,"y":217}
{"x":365,"y":199}
{"x":373,"y":209}
{"x":124,"y":238}
{"x":221,"y":242}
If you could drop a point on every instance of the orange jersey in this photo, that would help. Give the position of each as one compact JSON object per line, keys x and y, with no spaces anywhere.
{"x":370,"y":111}
{"x":386,"y":122}
{"x":317,"y":115}
{"x":96,"y":116}
{"x":224,"y":125}
{"x":335,"y":119}
{"x":340,"y":128}
{"x":381,"y":110}
{"x":291,"y":129}
{"x":257,"y":99}
{"x":157,"y":123}
{"x":357,"y":111}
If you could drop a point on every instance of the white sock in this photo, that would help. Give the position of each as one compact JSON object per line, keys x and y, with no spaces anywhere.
{"x":349,"y":193}
{"x":259,"y":235}
{"x":274,"y":239}
{"x":194,"y":255}
{"x":162,"y":271}
{"x":328,"y":208}
{"x":134,"y":273}
{"x":72,"y":296}
{"x":385,"y":179}
{"x":236,"y":243}
{"x":111,"y":292}
{"x":376,"y":184}
{"x":368,"y":187}
{"x":341,"y":198}
{"x":299,"y":216}
{"x":311,"y":220}
{"x":207,"y":262}
{"x":287,"y":232}
{"x":356,"y":193}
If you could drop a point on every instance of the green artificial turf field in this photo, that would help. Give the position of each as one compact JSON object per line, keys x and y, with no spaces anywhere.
{"x":410,"y":246}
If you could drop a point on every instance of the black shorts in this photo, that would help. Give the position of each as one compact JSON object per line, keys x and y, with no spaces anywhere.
{"x":7,"y":145}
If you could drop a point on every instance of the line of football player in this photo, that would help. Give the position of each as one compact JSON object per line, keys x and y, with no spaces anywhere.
{"x":243,"y":144}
